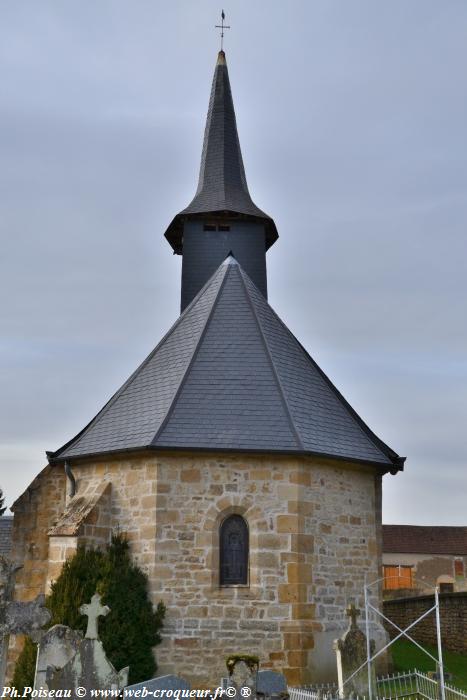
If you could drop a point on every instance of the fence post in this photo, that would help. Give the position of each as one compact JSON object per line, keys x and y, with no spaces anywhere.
{"x":442,"y":693}
{"x":368,"y":645}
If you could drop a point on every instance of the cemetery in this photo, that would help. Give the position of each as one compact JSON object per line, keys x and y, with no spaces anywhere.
{"x":68,"y":659}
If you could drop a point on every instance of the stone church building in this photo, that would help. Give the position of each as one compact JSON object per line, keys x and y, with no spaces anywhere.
{"x":249,"y":488}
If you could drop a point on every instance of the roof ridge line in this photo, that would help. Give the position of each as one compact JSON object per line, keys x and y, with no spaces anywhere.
{"x":273,"y":366}
{"x":431,"y":527}
{"x":193,"y":357}
{"x":380,"y":444}
{"x":76,"y":439}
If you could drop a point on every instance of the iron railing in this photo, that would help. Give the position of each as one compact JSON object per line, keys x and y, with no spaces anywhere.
{"x":396,"y":686}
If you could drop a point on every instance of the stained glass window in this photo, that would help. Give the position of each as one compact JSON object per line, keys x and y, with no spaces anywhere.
{"x":233,"y":551}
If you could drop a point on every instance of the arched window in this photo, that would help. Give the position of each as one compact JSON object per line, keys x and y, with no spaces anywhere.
{"x":233,"y":551}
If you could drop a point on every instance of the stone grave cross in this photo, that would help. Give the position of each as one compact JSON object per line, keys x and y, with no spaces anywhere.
{"x":94,"y":610}
{"x":351,"y":654}
{"x":353,"y":613}
{"x":88,"y":668}
{"x":17,"y":617}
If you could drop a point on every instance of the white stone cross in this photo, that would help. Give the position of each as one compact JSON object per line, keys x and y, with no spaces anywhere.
{"x":93,"y":611}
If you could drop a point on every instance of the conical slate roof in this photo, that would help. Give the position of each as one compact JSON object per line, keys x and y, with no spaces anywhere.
{"x":230,"y":376}
{"x":222,"y":186}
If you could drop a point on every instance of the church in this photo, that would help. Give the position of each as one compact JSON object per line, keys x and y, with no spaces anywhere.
{"x":248,"y":487}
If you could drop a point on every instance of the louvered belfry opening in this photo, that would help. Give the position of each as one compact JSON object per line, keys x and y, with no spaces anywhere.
{"x":233,"y":555}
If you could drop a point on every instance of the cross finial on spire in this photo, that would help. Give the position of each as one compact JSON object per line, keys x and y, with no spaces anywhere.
{"x":93,"y":611}
{"x":222,"y":26}
{"x":353,"y":613}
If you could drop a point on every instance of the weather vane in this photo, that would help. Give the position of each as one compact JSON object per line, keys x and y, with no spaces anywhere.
{"x":222,"y":26}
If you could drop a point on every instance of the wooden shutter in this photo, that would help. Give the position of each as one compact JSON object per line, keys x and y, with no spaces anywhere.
{"x":397,"y":577}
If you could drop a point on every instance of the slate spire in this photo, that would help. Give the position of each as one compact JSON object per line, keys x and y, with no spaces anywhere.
{"x":222,"y":186}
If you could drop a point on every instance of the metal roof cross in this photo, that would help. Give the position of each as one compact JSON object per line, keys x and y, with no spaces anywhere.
{"x":222,"y":26}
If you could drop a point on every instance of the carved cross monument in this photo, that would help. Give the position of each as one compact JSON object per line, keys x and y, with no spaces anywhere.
{"x":94,"y":610}
{"x":89,"y":667}
{"x":351,"y":655}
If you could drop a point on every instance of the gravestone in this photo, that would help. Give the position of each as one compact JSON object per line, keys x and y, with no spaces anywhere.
{"x":16,"y":617}
{"x":351,"y":657}
{"x":271,"y":684}
{"x":57,"y":646}
{"x":89,"y":668}
{"x":168,"y":682}
{"x":243,"y":676}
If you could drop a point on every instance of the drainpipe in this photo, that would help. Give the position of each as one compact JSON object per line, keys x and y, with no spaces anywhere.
{"x":71,"y":479}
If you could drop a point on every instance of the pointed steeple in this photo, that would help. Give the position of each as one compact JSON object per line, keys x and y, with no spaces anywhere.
{"x":222,"y":186}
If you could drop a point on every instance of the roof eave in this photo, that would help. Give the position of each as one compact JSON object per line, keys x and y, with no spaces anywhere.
{"x":174,"y":232}
{"x":55,"y":458}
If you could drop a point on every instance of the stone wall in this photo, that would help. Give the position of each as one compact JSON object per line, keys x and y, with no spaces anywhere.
{"x":60,"y":549}
{"x":35,"y":512}
{"x":453,"y":616}
{"x":314,"y":529}
{"x":86,"y":521}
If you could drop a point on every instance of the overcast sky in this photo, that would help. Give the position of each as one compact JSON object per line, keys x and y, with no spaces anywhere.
{"x":352,"y":119}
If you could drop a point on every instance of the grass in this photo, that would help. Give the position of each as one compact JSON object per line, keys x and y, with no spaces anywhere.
{"x":406,"y":656}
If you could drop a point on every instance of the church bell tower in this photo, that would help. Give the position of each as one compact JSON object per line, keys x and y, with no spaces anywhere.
{"x":222,"y":218}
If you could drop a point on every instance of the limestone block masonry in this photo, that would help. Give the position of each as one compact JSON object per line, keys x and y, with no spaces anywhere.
{"x":34,"y":512}
{"x":314,"y":527}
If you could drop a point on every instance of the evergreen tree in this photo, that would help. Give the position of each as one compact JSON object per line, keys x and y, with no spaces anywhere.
{"x":81,"y":576}
{"x":132,"y":627}
{"x":2,"y":501}
{"x":25,"y":668}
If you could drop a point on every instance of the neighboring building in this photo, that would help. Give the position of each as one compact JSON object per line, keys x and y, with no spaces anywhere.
{"x":249,"y":489}
{"x":6,"y":527}
{"x":416,"y":558}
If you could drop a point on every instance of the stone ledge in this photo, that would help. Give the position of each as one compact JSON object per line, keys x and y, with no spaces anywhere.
{"x":78,"y":510}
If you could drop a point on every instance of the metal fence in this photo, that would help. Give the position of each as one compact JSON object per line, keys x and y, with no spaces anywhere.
{"x":414,"y":684}
{"x":396,"y":686}
{"x":309,"y":694}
